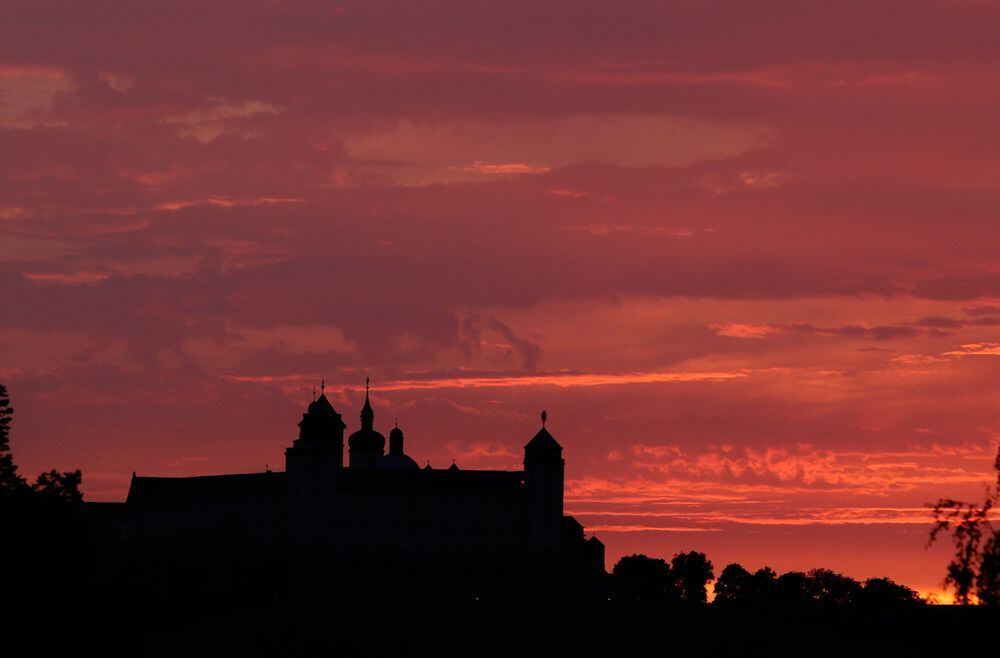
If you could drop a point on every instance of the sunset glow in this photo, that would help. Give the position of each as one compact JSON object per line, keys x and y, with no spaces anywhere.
{"x":746,"y":260}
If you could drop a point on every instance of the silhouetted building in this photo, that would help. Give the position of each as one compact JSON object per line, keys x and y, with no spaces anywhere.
{"x":382,"y":513}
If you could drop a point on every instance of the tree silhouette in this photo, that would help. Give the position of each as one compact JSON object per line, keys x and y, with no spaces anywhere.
{"x":640,"y":578}
{"x":45,"y":546}
{"x":692,"y":572}
{"x":54,"y":486}
{"x":885,"y":593}
{"x":792,"y":589}
{"x":819,"y":587}
{"x":830,"y":588}
{"x":51,"y":486}
{"x":10,"y":482}
{"x":733,"y":585}
{"x":974,"y":571}
{"x":763,"y":584}
{"x":736,"y":585}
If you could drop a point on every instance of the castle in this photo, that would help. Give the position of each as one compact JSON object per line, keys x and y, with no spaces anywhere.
{"x":381,"y":510}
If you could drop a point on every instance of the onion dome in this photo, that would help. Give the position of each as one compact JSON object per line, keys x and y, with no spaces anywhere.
{"x":396,"y":460}
{"x":396,"y":441}
{"x":367,"y":441}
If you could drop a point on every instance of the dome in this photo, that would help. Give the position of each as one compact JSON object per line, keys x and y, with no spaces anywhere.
{"x":395,"y":462}
{"x":367,"y":440}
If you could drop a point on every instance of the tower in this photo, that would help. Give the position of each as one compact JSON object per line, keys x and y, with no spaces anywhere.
{"x":396,"y":441}
{"x":396,"y":460}
{"x":544,"y":470}
{"x":366,"y":446}
{"x":320,"y":446}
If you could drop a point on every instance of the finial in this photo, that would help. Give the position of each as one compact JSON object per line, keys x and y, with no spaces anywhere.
{"x":545,"y":417}
{"x":395,"y":422}
{"x":367,"y":413}
{"x":314,"y":392}
{"x":322,"y":385}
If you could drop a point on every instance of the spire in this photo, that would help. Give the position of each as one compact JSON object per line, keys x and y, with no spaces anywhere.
{"x":367,"y":413}
{"x":545,"y":417}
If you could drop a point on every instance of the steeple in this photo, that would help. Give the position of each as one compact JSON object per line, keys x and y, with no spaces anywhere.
{"x":367,"y":413}
{"x":366,"y":445}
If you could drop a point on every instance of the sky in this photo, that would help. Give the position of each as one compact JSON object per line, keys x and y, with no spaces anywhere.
{"x":744,"y":254}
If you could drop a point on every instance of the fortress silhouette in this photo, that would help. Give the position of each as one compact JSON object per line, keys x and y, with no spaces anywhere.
{"x":379,"y":524}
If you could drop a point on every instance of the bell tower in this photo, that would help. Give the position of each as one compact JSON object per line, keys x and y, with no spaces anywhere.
{"x":544,"y":470}
{"x":320,"y":446}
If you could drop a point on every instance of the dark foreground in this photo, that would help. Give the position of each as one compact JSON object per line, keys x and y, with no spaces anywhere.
{"x":389,"y":629}
{"x":60,"y":597}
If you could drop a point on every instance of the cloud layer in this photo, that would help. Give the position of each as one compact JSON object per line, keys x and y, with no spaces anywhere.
{"x":744,"y":254}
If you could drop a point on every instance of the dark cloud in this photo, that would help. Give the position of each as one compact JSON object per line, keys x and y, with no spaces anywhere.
{"x":881,"y":332}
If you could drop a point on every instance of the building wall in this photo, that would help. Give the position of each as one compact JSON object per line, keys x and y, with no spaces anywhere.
{"x":415,"y":518}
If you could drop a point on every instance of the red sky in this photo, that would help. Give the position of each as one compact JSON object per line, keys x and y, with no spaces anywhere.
{"x":745,"y":254}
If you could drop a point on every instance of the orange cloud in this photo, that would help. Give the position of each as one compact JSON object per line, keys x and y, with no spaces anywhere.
{"x":208,"y":123}
{"x":70,"y":278}
{"x":28,"y":95}
{"x":976,"y":349}
{"x":504,"y":168}
{"x":561,"y":380}
{"x":419,"y":153}
{"x":223,"y":202}
{"x":742,"y":330}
